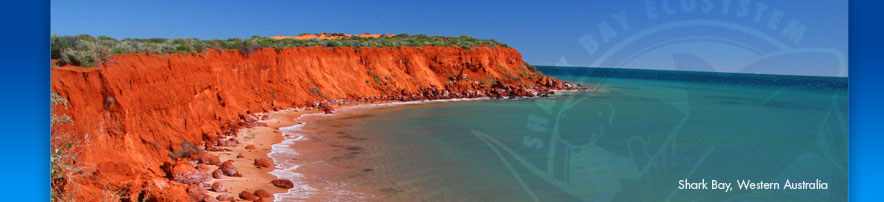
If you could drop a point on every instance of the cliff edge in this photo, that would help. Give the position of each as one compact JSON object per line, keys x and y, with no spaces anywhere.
{"x":135,"y":112}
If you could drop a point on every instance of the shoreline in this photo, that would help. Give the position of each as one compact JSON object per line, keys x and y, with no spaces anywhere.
{"x":262,"y":136}
{"x":269,"y":132}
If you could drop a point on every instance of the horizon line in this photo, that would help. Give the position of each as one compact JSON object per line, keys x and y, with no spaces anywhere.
{"x":645,"y":68}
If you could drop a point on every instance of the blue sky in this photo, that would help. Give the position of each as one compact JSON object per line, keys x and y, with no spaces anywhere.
{"x":716,"y":35}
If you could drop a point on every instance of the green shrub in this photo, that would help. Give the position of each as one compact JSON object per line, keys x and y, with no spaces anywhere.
{"x":530,"y":67}
{"x":316,"y":91}
{"x":85,"y":50}
{"x":248,"y":47}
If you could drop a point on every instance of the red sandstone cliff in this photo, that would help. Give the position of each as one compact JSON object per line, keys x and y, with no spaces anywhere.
{"x":133,"y":111}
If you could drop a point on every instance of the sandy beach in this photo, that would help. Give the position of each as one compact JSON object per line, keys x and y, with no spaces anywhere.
{"x":261,"y":137}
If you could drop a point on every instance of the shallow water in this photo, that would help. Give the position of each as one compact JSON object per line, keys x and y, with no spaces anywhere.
{"x":632,"y":138}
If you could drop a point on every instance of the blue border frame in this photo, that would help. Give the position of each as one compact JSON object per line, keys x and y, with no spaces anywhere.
{"x":25,"y":103}
{"x":865,"y":69}
{"x":25,"y":83}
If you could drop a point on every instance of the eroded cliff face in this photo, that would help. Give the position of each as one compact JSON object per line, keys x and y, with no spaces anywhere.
{"x":133,"y":111}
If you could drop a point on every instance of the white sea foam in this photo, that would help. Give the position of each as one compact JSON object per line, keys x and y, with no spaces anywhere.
{"x":287,"y":169}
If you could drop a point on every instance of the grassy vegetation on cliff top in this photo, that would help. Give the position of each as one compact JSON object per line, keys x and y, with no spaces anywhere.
{"x":87,"y":51}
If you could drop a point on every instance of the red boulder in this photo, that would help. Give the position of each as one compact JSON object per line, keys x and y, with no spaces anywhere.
{"x":229,"y":170}
{"x":217,"y":174}
{"x":281,"y":183}
{"x":263,"y":162}
{"x":206,"y":158}
{"x":224,"y":197}
{"x":184,"y":172}
{"x":219,"y":187}
{"x":247,"y":196}
{"x":263,"y":193}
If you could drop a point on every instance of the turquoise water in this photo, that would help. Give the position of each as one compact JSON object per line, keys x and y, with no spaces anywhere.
{"x":632,"y":138}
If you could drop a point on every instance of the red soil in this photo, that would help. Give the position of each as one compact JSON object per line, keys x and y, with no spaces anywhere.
{"x":327,"y":36}
{"x":134,"y":111}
